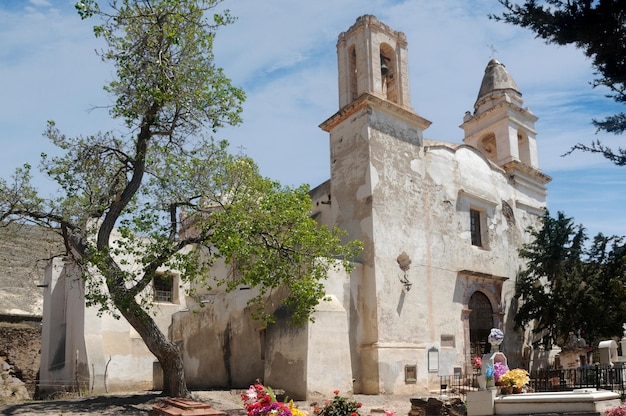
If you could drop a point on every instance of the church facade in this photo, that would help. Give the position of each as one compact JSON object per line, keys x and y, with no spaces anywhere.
{"x":441,"y":223}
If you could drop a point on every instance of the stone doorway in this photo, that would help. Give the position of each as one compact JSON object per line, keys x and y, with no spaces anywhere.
{"x":480,"y":323}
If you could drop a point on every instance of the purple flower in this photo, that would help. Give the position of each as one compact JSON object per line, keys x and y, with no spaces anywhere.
{"x":499,"y":368}
{"x":496,"y":336}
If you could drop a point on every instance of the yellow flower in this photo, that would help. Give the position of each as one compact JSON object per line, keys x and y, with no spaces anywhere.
{"x":294,"y":410}
{"x":516,"y":378}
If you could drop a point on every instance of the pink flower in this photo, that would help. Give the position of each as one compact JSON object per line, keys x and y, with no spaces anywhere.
{"x":616,"y":410}
{"x":390,"y":412}
{"x":336,"y":392}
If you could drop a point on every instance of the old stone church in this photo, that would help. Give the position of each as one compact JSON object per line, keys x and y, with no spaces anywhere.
{"x":441,"y":223}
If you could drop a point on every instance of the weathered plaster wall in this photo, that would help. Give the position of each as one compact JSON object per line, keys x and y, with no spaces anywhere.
{"x":286,"y":356}
{"x":117,"y":357}
{"x":84,"y":350}
{"x":311,"y":361}
{"x":222,"y":345}
{"x":63,"y":355}
{"x":398,"y":196}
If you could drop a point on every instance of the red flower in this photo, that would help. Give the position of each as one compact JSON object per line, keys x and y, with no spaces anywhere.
{"x":359,"y":404}
{"x":354,"y":414}
{"x":336,"y":392}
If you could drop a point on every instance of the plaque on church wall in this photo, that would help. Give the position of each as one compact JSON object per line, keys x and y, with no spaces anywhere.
{"x":433,"y":360}
{"x":447,"y":341}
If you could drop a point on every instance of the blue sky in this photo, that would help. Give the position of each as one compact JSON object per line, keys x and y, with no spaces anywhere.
{"x":282,"y":52}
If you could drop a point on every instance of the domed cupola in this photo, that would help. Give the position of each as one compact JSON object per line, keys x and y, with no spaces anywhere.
{"x":497,"y":86}
{"x":504,"y":131}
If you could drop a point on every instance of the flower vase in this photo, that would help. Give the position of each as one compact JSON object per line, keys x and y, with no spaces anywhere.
{"x":482,"y":382}
{"x":506,"y":390}
{"x":517,"y":390}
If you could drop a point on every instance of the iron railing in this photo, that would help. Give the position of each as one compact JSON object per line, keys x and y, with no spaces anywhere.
{"x":596,"y":376}
{"x":605,"y":377}
{"x":458,"y":385}
{"x":163,"y":296}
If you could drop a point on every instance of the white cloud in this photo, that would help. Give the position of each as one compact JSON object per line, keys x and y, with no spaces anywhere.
{"x":40,"y":3}
{"x":283,"y":53}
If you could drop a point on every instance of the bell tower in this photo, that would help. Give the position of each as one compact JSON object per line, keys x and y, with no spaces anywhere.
{"x":504,"y":131}
{"x":375,"y":141}
{"x":372,"y":59}
{"x":375,"y":122}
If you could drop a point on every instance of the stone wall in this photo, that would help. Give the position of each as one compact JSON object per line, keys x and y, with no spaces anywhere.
{"x":24,"y":253}
{"x":20,"y":344}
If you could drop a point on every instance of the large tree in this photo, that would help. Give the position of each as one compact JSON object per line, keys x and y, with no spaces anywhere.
{"x":598,"y":27}
{"x":570,"y":284}
{"x":179,"y":200}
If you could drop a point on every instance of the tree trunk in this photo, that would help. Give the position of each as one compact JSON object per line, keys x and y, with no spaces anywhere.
{"x":174,"y":384}
{"x":168,"y":353}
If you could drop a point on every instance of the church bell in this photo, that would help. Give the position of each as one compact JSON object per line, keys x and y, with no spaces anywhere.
{"x":384,"y":69}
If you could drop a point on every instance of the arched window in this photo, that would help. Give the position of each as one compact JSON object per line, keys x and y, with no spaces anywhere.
{"x":480,"y":323}
{"x":389,"y":72}
{"x":353,"y":74}
{"x":523,"y":146}
{"x":488,"y":147}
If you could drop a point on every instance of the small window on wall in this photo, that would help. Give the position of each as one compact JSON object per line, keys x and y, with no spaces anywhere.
{"x":163,"y":286}
{"x":410,"y":374}
{"x":475,"y":228}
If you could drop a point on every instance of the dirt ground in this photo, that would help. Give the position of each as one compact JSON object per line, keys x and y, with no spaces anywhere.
{"x":142,"y":403}
{"x":135,"y":404}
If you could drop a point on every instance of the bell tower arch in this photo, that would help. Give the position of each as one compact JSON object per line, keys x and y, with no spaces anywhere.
{"x":372,"y":59}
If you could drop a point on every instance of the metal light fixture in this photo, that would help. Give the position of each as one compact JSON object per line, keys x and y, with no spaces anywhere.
{"x":404,"y":261}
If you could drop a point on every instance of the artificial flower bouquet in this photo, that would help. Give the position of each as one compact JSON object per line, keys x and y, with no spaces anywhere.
{"x":260,"y":400}
{"x":495,"y":337}
{"x":499,"y":369}
{"x":616,"y":411}
{"x":515,"y":378}
{"x":489,"y":373}
{"x":477,"y":363}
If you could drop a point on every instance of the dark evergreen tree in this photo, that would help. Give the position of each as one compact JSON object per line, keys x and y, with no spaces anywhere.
{"x":596,"y":27}
{"x":569,"y":285}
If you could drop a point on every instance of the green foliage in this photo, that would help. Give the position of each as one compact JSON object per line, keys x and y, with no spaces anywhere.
{"x":569,"y":286}
{"x":165,"y":196}
{"x":264,"y":232}
{"x":163,"y":54}
{"x":596,"y":27}
{"x":339,"y":406}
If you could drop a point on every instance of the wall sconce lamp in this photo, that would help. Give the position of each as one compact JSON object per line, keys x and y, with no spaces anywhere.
{"x":404,"y":261}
